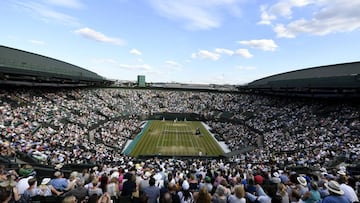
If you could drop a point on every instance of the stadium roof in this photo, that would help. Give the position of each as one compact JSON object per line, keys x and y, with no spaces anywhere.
{"x":23,"y":66}
{"x":345,"y":75}
{"x":330,"y":81}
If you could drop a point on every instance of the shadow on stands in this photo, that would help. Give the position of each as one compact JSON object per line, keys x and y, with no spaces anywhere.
{"x":44,"y":199}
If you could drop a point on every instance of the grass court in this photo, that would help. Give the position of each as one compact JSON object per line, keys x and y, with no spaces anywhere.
{"x":176,"y":138}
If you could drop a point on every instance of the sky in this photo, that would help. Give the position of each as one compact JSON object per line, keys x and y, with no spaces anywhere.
{"x":186,"y":41}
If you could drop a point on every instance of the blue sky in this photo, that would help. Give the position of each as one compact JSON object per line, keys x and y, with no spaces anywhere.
{"x":188,"y":41}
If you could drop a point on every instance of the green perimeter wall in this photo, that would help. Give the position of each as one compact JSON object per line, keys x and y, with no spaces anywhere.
{"x":131,"y":146}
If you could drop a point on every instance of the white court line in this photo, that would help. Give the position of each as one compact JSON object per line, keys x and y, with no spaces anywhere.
{"x":157,"y":143}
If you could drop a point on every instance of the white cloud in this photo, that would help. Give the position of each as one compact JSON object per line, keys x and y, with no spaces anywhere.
{"x":135,"y":52}
{"x":47,"y":14}
{"x":144,"y":67}
{"x":204,"y":54}
{"x":337,"y":16}
{"x":98,"y":36}
{"x":282,"y":31}
{"x":284,"y":8}
{"x":197,"y":14}
{"x":245,"y":67}
{"x":224,"y":51}
{"x":263,"y":44}
{"x":326,"y":17}
{"x":37,"y":42}
{"x":244,"y":53}
{"x":173,"y":65}
{"x":266,"y":18}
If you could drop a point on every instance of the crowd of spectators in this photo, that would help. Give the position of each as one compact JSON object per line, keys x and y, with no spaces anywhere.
{"x":78,"y":126}
{"x":179,"y":181}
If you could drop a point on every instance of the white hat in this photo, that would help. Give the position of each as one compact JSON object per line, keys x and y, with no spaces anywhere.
{"x":343,"y":173}
{"x":301,"y":180}
{"x":185,"y":185}
{"x":276,"y":174}
{"x":45,"y":181}
{"x":115,"y":175}
{"x":334,"y":187}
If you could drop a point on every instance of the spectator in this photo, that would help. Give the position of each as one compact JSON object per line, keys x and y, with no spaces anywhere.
{"x":185,"y":195}
{"x":94,"y":189}
{"x":313,"y":195}
{"x":174,"y":195}
{"x":105,"y":198}
{"x":238,"y":196}
{"x":152,"y":192}
{"x":144,"y":181}
{"x":9,"y":184}
{"x":219,"y":196}
{"x":79,"y":191}
{"x":302,"y":185}
{"x":260,"y":196}
{"x":59,"y":182}
{"x":203,"y":196}
{"x":282,"y":191}
{"x":295,"y":196}
{"x":129,"y":186}
{"x":166,"y":198}
{"x":46,"y":189}
{"x":113,"y":188}
{"x":27,"y":173}
{"x":69,"y":199}
{"x":207,"y":184}
{"x":30,"y":192}
{"x":194,"y":184}
{"x":349,"y":192}
{"x":336,"y":193}
{"x":5,"y":195}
